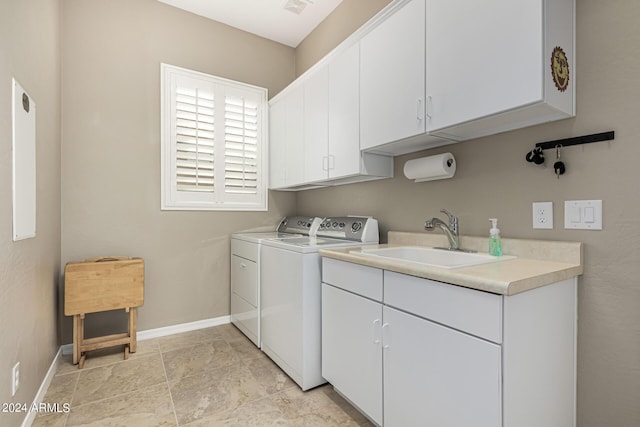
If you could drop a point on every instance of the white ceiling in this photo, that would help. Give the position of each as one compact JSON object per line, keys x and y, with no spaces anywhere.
{"x":266,"y":18}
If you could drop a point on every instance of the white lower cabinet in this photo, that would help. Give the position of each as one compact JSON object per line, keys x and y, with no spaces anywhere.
{"x":409,"y":351}
{"x":437,"y":376}
{"x":352,"y":355}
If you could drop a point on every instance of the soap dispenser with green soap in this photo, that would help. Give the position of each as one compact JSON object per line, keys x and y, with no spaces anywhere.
{"x":495,"y":247}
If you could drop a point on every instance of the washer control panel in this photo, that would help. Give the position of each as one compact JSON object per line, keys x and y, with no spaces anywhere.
{"x":359,"y":229}
{"x":296,"y":224}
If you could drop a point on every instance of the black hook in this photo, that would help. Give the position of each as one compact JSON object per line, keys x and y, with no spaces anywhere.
{"x":535,"y":156}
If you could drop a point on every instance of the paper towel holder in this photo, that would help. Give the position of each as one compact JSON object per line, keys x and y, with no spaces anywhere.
{"x":430,"y":168}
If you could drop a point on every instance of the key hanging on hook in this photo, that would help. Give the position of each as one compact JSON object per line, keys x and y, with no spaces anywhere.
{"x":559,"y":167}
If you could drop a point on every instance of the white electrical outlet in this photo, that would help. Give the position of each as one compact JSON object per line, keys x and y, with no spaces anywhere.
{"x":15,"y":379}
{"x":543,"y":215}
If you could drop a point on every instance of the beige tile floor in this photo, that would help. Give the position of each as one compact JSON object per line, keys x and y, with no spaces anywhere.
{"x":208,"y":377}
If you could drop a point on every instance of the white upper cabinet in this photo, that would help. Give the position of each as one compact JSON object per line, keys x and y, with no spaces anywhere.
{"x":420,"y":74}
{"x":286,"y":133}
{"x":392,"y":83}
{"x":344,"y":114}
{"x":316,"y":125}
{"x":277,"y":145}
{"x":315,"y":133}
{"x":489,"y":65}
{"x":331,"y":119}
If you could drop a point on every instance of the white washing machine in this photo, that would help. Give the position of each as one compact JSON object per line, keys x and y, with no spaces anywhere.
{"x":291,"y":277}
{"x":245,"y":272}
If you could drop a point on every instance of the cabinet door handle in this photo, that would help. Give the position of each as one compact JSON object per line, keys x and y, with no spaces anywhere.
{"x":243,"y":265}
{"x":325,"y":163}
{"x":419,"y":111}
{"x":332,"y":162}
{"x":386,"y":337}
{"x":429,"y":106}
{"x":376,"y":331}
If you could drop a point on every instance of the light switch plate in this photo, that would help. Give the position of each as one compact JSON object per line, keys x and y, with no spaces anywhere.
{"x":543,"y":215}
{"x":583,"y":214}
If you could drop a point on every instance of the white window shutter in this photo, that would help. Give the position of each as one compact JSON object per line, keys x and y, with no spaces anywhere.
{"x":195,"y":139}
{"x":242,"y":153}
{"x":214,"y":137}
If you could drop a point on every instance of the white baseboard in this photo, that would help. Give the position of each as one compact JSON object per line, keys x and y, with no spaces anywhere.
{"x":184,"y":327}
{"x":31,"y":415}
{"x":169,"y":330}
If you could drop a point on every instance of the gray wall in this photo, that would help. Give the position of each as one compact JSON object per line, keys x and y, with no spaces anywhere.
{"x":29,"y":51}
{"x":112,"y":50}
{"x":494,"y":180}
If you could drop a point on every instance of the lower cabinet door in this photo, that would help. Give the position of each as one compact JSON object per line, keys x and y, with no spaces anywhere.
{"x":437,"y":376}
{"x":351,"y":348}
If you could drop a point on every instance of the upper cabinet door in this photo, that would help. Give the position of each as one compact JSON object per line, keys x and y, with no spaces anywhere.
{"x":488,"y":62}
{"x":277,"y":144}
{"x":295,"y":137}
{"x":286,"y":133}
{"x":344,"y":114}
{"x":492,"y":71}
{"x":316,"y":126}
{"x":392,"y":77}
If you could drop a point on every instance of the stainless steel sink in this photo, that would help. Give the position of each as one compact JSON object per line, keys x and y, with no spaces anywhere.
{"x":431,"y":257}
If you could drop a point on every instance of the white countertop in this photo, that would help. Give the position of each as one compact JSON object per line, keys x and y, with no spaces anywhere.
{"x":538,"y":262}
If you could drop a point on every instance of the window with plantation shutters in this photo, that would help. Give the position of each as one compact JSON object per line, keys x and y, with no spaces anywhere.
{"x":213,"y":143}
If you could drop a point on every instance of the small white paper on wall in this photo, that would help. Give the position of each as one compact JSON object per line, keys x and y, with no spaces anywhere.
{"x":23,"y":113}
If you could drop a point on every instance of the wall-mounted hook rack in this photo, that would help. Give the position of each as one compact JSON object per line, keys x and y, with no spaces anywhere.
{"x":596,"y":137}
{"x":537,"y":156}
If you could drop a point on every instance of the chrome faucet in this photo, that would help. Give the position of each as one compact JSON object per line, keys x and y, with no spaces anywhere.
{"x":451,"y":230}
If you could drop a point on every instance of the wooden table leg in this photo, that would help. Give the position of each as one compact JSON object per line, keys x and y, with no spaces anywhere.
{"x":133,"y":345}
{"x":76,"y":344}
{"x":80,"y":356}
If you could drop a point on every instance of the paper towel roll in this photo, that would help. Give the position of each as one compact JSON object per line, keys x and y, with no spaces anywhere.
{"x":431,"y":168}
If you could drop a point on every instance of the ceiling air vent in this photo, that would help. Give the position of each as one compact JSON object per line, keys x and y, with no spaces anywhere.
{"x":297,"y":6}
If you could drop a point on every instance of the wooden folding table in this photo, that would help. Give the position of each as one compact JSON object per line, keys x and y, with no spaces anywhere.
{"x":103,"y":284}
